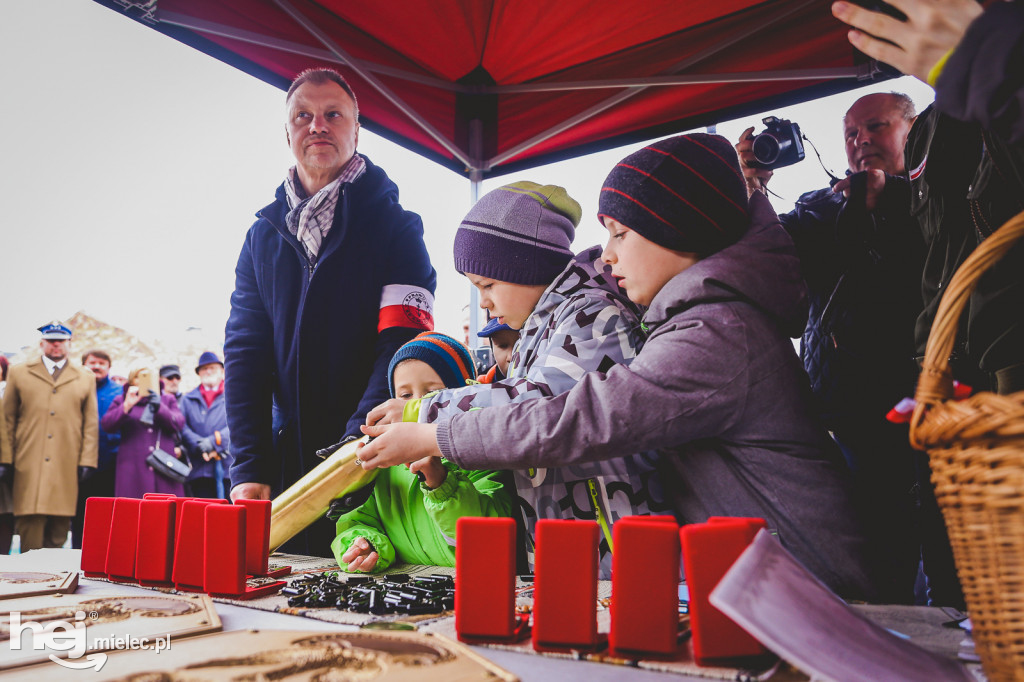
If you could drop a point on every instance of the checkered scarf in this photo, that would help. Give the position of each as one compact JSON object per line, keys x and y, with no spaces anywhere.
{"x":310,"y":218}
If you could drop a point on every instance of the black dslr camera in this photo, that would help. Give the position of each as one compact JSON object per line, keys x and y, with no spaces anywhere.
{"x":780,"y":145}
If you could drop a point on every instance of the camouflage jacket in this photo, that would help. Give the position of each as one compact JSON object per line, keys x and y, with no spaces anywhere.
{"x":582,"y":323}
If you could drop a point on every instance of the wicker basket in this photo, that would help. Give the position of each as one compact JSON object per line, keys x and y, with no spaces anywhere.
{"x":976,"y":449}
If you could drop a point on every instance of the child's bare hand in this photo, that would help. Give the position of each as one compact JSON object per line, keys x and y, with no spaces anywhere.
{"x":432,"y":469}
{"x":397,"y":444}
{"x":360,"y":556}
{"x":389,"y":412}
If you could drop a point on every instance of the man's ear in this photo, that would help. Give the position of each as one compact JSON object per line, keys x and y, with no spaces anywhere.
{"x":287,"y":136}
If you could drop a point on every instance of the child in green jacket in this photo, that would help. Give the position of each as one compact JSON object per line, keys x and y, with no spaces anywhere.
{"x":405,"y":518}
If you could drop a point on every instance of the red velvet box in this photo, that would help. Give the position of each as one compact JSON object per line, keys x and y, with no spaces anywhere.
{"x":96,"y":536}
{"x":485,"y":579}
{"x":709,"y":550}
{"x":565,"y":585}
{"x":190,"y":544}
{"x":645,"y":587}
{"x":154,"y":559}
{"x":124,"y":536}
{"x":257,"y":535}
{"x":224,"y":559}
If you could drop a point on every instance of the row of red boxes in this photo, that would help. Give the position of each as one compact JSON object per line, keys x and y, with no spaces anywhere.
{"x":191,"y":544}
{"x":645,"y":585}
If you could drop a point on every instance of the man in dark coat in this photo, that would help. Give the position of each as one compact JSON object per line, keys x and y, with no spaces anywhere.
{"x":861,"y":256}
{"x":965,"y":157}
{"x":332,"y":279}
{"x":206,"y":436}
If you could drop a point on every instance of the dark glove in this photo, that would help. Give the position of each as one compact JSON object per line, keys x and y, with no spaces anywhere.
{"x":85,"y":473}
{"x":5,"y":472}
{"x":331,"y":449}
{"x":205,"y":445}
{"x":152,"y":406}
{"x":343,"y":505}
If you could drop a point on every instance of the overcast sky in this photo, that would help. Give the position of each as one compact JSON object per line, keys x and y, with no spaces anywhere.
{"x":131,"y":166}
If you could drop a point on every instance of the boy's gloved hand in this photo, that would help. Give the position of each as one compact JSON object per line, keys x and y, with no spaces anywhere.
{"x":361,"y":556}
{"x":205,"y":444}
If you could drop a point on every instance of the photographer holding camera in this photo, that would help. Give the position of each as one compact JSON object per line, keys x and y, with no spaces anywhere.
{"x":147,"y":420}
{"x":861,"y":255}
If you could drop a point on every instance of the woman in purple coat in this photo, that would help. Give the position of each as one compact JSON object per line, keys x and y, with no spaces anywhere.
{"x":132,"y":476}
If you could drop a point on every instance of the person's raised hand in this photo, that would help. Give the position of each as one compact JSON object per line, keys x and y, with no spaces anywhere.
{"x":360,"y":556}
{"x":915,"y":46}
{"x":250,"y":491}
{"x":875,"y":185}
{"x":131,"y":398}
{"x":397,"y":444}
{"x":388,"y":412}
{"x":756,"y":178}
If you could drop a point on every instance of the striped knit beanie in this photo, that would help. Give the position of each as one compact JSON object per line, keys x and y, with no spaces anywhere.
{"x":518,"y":233}
{"x":446,"y":356}
{"x":685,"y":193}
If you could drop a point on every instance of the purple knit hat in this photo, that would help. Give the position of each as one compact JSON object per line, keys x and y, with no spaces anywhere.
{"x":685,"y":193}
{"x":519,"y":233}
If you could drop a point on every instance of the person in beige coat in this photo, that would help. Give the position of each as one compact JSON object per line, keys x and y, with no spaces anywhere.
{"x":52,"y":429}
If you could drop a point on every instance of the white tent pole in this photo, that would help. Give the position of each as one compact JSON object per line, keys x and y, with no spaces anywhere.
{"x":476,"y":176}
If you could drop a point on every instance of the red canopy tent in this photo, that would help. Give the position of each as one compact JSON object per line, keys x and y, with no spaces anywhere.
{"x":487,"y":87}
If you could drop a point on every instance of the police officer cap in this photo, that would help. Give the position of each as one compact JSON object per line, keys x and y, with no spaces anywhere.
{"x":55,"y":331}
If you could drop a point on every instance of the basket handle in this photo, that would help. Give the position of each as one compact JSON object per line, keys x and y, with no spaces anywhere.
{"x":935,"y":384}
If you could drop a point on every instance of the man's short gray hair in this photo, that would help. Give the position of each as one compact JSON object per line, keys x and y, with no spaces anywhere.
{"x":903,"y":104}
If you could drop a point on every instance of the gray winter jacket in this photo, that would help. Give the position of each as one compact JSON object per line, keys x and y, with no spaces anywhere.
{"x":582,"y":323}
{"x":719,"y":390}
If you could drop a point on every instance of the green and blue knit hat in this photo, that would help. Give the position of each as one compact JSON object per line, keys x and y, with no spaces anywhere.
{"x":446,"y":356}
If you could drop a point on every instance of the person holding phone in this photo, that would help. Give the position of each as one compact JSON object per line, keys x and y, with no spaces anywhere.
{"x":147,"y":419}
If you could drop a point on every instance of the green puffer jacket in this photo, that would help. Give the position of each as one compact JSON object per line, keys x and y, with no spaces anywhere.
{"x":408,"y":522}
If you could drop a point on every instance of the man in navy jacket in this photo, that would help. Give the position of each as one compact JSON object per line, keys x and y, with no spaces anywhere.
{"x":206,"y":436}
{"x":332,"y":279}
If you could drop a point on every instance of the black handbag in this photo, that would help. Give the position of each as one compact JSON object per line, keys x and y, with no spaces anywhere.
{"x":167,"y":465}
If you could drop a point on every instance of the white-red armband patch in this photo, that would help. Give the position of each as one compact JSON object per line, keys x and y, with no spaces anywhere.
{"x":916,"y":173}
{"x":405,"y":305}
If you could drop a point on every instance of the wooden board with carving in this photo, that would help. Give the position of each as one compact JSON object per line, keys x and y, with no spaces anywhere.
{"x":15,"y":584}
{"x":301,"y":656}
{"x":52,"y":624}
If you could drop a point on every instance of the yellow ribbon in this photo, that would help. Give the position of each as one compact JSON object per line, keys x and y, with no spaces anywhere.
{"x":933,"y":75}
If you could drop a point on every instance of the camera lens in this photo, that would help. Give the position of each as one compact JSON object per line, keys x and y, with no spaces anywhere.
{"x":766,"y":148}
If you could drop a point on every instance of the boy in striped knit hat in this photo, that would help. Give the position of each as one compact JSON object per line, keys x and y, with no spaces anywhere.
{"x":717,"y":389}
{"x":411,"y":518}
